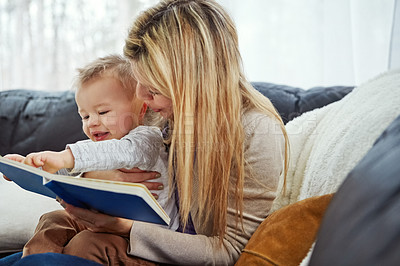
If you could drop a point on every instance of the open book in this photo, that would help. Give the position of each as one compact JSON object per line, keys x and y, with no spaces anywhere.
{"x":127,"y":200}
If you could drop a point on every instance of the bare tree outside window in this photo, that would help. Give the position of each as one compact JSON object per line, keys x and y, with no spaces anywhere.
{"x":42,"y":42}
{"x":302,"y":43}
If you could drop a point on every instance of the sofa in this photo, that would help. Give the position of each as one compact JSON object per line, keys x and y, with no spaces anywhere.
{"x":41,"y":120}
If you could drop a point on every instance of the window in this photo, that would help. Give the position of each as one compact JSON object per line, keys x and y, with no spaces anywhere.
{"x":301,"y":43}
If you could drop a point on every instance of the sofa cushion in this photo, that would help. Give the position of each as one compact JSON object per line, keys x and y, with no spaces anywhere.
{"x":286,"y":236}
{"x":20,"y":212}
{"x":362,"y":224}
{"x":38,"y":120}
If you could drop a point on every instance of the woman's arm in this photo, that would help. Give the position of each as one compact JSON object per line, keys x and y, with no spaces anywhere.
{"x":98,"y":222}
{"x":264,"y":152}
{"x":134,"y":175}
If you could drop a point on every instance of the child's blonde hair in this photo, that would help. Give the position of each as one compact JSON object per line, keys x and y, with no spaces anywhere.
{"x":115,"y":65}
{"x":188,"y":50}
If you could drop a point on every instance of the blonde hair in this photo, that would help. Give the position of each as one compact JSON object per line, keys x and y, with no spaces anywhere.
{"x":188,"y":51}
{"x":113,"y":64}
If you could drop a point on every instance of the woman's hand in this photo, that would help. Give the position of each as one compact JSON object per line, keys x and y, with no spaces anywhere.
{"x":98,"y":222}
{"x":14,"y":157}
{"x":134,"y":175}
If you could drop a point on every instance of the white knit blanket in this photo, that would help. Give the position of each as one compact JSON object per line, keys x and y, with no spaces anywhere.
{"x":327,"y":143}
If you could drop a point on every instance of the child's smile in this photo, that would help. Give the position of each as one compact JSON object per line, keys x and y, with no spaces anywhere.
{"x":99,"y":136}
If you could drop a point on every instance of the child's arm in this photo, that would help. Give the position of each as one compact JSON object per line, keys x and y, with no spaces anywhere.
{"x":51,"y":161}
{"x":139,"y":148}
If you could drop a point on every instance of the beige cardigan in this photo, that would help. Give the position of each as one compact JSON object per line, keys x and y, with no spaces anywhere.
{"x":264,"y":153}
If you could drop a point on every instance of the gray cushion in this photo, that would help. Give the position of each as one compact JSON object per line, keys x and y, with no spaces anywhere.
{"x":362,"y":223}
{"x":38,"y":120}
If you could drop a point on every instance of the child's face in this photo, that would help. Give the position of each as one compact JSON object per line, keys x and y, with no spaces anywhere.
{"x":106,"y":110}
{"x":154,"y":100}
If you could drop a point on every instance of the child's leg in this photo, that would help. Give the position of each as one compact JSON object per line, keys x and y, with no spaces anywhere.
{"x":103,"y":248}
{"x":53,"y":232}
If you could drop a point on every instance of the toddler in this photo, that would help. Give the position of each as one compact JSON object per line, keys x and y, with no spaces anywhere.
{"x":111,"y":117}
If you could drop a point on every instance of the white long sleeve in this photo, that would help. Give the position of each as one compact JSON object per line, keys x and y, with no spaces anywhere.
{"x":139,"y":148}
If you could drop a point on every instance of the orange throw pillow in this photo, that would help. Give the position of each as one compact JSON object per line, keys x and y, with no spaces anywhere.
{"x":286,"y":236}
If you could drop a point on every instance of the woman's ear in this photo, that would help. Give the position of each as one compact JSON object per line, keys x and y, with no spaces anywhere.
{"x":142,"y":112}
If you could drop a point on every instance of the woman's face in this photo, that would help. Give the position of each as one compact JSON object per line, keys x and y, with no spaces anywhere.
{"x":154,"y":100}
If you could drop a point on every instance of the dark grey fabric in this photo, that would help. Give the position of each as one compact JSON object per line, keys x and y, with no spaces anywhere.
{"x":362,"y":223}
{"x":37,"y":120}
{"x":292,"y":102}
{"x":40,"y":120}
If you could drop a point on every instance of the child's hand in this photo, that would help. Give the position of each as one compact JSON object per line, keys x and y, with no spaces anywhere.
{"x":14,"y":157}
{"x":51,"y":161}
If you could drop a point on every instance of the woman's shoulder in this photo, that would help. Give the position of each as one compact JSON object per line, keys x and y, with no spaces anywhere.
{"x":255,"y":121}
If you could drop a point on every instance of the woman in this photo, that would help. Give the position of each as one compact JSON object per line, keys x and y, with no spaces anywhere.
{"x":227,"y":146}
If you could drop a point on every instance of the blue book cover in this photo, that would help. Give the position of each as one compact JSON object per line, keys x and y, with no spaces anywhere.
{"x":127,"y":200}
